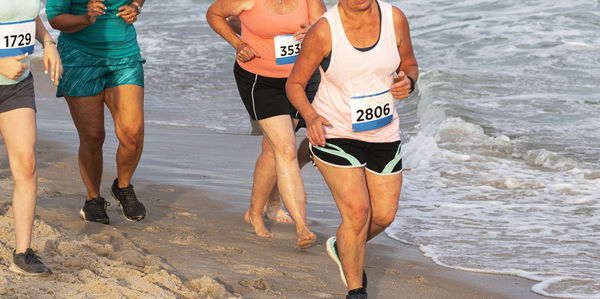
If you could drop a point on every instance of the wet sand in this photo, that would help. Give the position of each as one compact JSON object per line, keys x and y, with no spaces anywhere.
{"x":195,"y":244}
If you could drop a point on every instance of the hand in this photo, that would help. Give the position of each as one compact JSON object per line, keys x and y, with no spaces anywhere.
{"x":12,"y":67}
{"x":95,"y":8}
{"x":52,"y":62}
{"x":401,"y":87}
{"x":245,"y":53}
{"x":300,"y":34}
{"x":314,"y":130}
{"x":128,"y":13}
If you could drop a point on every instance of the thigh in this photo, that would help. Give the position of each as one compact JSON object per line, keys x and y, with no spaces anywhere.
{"x":18,"y":128}
{"x":126,"y":104}
{"x":87,"y":114}
{"x":384,"y":193}
{"x":279,"y":131}
{"x":348,"y":187}
{"x":384,"y":176}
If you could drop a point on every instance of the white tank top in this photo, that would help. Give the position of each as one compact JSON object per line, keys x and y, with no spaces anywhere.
{"x":352,"y":94}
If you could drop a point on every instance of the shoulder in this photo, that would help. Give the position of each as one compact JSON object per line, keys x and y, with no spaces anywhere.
{"x":232,"y":7}
{"x":321,"y":30}
{"x":399,"y":17}
{"x":318,"y":38}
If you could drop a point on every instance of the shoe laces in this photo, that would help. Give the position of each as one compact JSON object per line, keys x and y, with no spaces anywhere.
{"x":100,"y":205}
{"x":129,"y":195}
{"x":31,"y":257}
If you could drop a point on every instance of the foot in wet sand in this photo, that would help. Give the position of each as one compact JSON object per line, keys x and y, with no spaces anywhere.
{"x":306,"y":239}
{"x":258,"y":225}
{"x":276,"y":213}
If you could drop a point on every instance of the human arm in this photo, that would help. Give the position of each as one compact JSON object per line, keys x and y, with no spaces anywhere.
{"x":130,"y":12}
{"x":316,"y":46}
{"x":70,"y":23}
{"x":51,"y":58}
{"x":236,"y":24}
{"x":217,"y":15}
{"x":408,"y":66}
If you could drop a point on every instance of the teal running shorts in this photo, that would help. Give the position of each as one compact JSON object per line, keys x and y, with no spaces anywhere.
{"x":87,"y":75}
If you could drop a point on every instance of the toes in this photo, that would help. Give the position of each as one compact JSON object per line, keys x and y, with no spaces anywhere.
{"x":306,"y":241}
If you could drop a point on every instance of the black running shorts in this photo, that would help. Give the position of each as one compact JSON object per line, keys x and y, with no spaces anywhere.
{"x":265,"y":97}
{"x":15,"y":96}
{"x":379,"y":158}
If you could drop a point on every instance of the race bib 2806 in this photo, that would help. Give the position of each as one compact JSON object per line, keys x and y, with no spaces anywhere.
{"x":372,"y":111}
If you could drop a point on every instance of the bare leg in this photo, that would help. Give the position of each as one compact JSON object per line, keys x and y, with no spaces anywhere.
{"x":18,"y":129}
{"x":279,"y":133}
{"x":273,"y":209}
{"x":126,"y":104}
{"x":349,"y":189}
{"x":264,"y":181}
{"x":303,"y":153}
{"x":384,"y":191}
{"x":88,"y":116}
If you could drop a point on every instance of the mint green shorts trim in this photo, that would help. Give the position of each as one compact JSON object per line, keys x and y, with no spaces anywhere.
{"x":379,"y":158}
{"x":87,"y":75}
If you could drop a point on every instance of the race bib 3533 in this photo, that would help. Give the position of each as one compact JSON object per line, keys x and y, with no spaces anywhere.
{"x":286,"y":49}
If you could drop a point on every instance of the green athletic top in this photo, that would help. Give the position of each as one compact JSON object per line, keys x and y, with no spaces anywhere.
{"x":12,"y":11}
{"x":110,"y":36}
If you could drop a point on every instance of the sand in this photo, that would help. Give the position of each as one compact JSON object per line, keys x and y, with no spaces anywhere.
{"x":195,"y":244}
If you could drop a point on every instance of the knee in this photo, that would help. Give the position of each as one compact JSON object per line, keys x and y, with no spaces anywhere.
{"x":286,"y":152}
{"x":357,"y":218}
{"x":384,"y":220}
{"x":24,"y":169}
{"x":132,"y":136}
{"x":92,"y":138}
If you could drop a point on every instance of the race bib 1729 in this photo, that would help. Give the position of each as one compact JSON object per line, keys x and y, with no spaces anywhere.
{"x":372,"y":111}
{"x":17,"y":38}
{"x":286,"y":49}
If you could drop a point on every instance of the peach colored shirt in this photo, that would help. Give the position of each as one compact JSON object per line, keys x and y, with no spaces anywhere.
{"x":259,"y":27}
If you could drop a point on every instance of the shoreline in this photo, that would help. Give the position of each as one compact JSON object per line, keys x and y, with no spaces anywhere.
{"x":195,"y":240}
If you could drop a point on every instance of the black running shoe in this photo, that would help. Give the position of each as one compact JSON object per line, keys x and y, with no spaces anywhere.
{"x":132,"y":208}
{"x":28,"y":263}
{"x":360,"y":293}
{"x":95,"y":210}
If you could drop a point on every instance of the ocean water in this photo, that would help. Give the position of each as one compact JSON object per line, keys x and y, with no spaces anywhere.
{"x":501,"y":140}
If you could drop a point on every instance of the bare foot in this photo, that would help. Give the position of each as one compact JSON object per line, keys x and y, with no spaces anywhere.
{"x":306,"y":240}
{"x":258,"y":225}
{"x":276,"y":213}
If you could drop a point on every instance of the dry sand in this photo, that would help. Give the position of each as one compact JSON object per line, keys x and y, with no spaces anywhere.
{"x":194,"y":244}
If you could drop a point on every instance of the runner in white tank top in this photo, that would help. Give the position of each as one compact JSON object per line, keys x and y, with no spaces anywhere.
{"x":352,"y":125}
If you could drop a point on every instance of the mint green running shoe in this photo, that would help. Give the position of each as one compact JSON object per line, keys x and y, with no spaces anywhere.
{"x":333,"y":254}
{"x":332,"y":251}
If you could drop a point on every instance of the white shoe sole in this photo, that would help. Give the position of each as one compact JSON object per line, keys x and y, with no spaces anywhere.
{"x":335,"y":258}
{"x":16,"y":269}
{"x":136,"y":219}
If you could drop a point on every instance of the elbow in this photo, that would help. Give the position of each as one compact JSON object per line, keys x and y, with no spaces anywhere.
{"x":53,"y":24}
